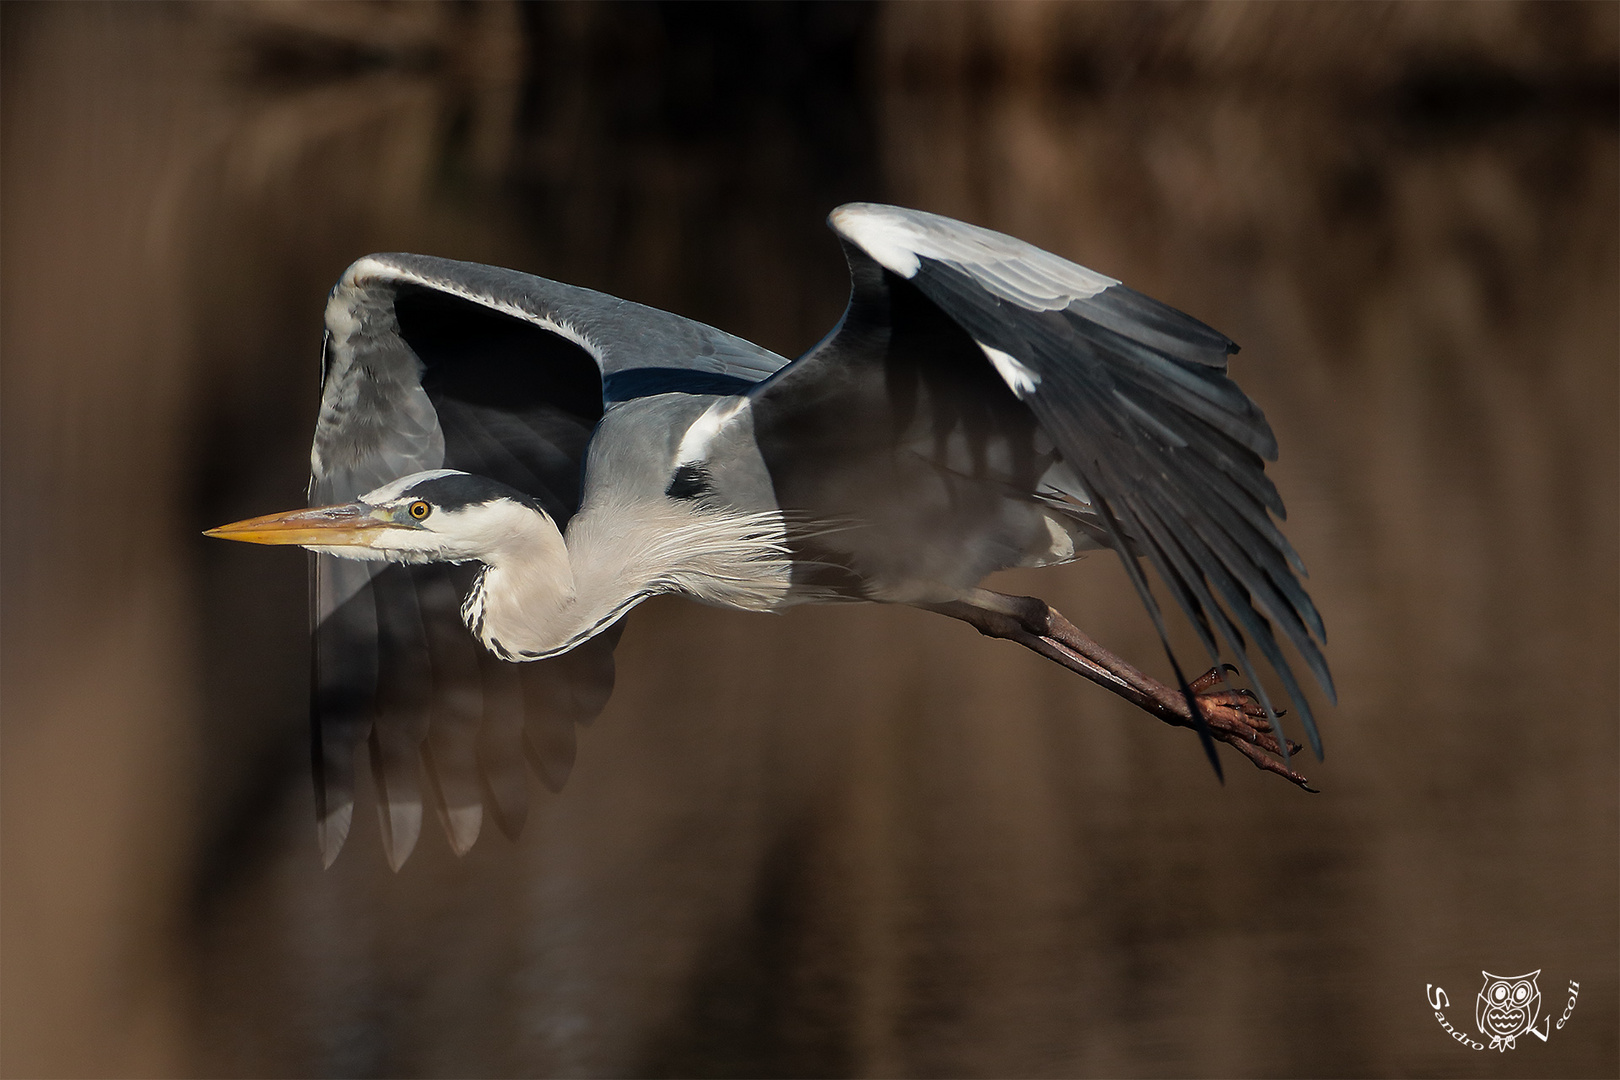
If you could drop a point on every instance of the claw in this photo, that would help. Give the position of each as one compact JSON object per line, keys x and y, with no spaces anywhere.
{"x":1272,"y":765}
{"x":1231,"y":715}
{"x":1236,"y":717}
{"x":1210,"y":678}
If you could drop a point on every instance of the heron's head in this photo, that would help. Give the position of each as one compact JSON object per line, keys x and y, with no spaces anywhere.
{"x":438,"y":516}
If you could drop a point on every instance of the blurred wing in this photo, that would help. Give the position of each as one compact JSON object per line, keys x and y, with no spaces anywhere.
{"x":1139,"y":434}
{"x":433,"y":364}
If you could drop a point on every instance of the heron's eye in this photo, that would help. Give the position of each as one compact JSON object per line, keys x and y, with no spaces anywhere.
{"x":420,"y":510}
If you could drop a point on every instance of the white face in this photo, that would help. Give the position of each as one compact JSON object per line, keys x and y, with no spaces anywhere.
{"x":417,"y":530}
{"x":438,"y":516}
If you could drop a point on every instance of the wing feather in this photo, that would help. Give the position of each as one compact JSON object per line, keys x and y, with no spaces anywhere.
{"x":429,"y":363}
{"x":450,"y":751}
{"x":343,"y":682}
{"x":401,"y":711}
{"x":501,"y":753}
{"x":1135,"y":396}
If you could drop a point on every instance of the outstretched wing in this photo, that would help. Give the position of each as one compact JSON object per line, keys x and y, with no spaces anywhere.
{"x":429,"y":364}
{"x":985,"y":378}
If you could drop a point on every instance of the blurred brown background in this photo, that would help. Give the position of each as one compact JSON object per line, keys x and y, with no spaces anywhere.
{"x":853,"y":841}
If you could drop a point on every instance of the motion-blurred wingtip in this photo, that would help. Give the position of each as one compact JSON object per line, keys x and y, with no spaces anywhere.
{"x":401,"y":828}
{"x":330,"y":833}
{"x":555,"y":762}
{"x":461,"y":827}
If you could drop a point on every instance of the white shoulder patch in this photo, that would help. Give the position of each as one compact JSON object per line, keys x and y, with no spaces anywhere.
{"x":1004,"y":266}
{"x":700,"y":436}
{"x":888,"y":239}
{"x":1013,"y":371}
{"x":341,"y":321}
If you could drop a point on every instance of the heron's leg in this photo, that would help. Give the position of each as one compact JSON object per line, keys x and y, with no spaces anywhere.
{"x":1234,"y":717}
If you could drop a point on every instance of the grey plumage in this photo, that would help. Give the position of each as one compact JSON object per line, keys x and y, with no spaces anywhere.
{"x":982,"y":404}
{"x":431,"y":363}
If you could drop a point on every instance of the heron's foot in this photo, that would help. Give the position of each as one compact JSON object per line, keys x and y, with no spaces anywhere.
{"x":1236,"y":717}
{"x":1232,"y":716}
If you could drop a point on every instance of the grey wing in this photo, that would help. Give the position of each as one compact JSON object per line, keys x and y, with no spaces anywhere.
{"x":430,"y":363}
{"x":1054,"y":387}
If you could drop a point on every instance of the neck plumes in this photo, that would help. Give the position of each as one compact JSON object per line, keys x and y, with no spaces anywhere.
{"x":541,"y":594}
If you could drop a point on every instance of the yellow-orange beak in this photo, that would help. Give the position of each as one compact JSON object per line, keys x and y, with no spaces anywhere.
{"x":353,"y":525}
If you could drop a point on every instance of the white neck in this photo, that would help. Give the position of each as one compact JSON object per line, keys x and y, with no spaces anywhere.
{"x":541,"y":594}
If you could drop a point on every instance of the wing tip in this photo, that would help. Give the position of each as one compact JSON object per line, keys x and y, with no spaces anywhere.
{"x":401,"y":828}
{"x":331,"y":831}
{"x":462,"y":825}
{"x":552,"y":759}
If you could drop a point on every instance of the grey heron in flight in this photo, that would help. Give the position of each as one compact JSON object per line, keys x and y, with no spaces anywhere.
{"x":527,"y":460}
